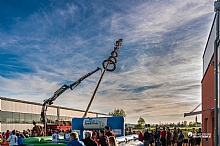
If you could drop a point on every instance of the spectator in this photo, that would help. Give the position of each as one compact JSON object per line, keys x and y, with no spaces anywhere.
{"x":112,"y":141}
{"x":192,"y":138}
{"x":20,"y":139}
{"x":3,"y":135}
{"x":175,"y":136}
{"x":146,"y":137}
{"x":61,"y":133}
{"x":25,"y":134}
{"x":74,"y":140}
{"x":151,"y":138}
{"x":88,"y":141}
{"x":108,"y":131}
{"x":157,"y":136}
{"x":140,"y":136}
{"x":163,"y":137}
{"x":168,"y":136}
{"x":28,"y":132}
{"x":55,"y":137}
{"x":67,"y":135}
{"x":103,"y":139}
{"x":7,"y":134}
{"x":95,"y":136}
{"x":180,"y":138}
{"x":13,"y":139}
{"x":198,"y":137}
{"x":186,"y":139}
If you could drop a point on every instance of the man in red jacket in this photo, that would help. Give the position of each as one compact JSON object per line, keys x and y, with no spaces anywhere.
{"x":7,"y":134}
{"x":108,"y":131}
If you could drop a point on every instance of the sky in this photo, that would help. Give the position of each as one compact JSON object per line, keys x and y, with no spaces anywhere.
{"x":45,"y":44}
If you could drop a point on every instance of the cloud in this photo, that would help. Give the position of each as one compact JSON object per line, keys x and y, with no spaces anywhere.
{"x":159,"y":66}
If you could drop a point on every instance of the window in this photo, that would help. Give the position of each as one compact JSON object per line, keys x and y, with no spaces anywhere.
{"x":28,"y":118}
{"x":0,"y":116}
{"x":38,"y":119}
{"x":48,"y":118}
{"x":70,"y":119}
{"x":3,"y":117}
{"x":16,"y":117}
{"x":22,"y":118}
{"x":53,"y":119}
{"x":34,"y":118}
{"x":8,"y":117}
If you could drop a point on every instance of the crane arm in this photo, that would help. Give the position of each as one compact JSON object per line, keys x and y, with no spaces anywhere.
{"x":60,"y":91}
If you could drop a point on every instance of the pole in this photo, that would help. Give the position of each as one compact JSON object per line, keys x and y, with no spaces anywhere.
{"x":217,"y":9}
{"x":93,"y":96}
{"x":106,"y":63}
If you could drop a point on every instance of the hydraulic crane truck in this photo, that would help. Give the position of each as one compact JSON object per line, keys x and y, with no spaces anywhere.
{"x":58,"y":93}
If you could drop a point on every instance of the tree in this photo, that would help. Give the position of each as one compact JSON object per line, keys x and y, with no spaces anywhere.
{"x":190,"y":124}
{"x":141,"y":122}
{"x":118,"y":112}
{"x":185,"y":123}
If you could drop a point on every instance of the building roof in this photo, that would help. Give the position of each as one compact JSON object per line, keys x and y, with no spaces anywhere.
{"x":209,"y":36}
{"x":40,"y":104}
{"x":198,"y":112}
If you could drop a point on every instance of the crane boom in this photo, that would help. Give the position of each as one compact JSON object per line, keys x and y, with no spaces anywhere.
{"x":60,"y":91}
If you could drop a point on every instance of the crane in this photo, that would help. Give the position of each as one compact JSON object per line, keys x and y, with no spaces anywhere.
{"x":59,"y":92}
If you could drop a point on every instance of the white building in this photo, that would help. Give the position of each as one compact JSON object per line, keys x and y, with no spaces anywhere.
{"x":19,"y":114}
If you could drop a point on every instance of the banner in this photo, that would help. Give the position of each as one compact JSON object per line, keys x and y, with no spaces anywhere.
{"x":94,"y":123}
{"x":115,"y":123}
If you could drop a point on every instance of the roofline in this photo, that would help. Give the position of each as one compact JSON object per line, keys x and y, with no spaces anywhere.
{"x":209,"y":36}
{"x":198,"y":112}
{"x":29,"y":102}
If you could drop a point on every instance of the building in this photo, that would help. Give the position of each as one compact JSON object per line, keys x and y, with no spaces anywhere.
{"x":19,"y":114}
{"x":208,"y":88}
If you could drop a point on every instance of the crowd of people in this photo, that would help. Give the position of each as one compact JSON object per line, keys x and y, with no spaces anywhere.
{"x":91,"y":138}
{"x":94,"y":138}
{"x":15,"y":138}
{"x":168,"y":137}
{"x":106,"y":137}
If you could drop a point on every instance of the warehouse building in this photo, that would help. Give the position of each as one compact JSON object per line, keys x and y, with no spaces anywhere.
{"x":19,"y":114}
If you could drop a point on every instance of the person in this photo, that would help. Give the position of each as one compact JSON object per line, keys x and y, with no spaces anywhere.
{"x":157,"y":136}
{"x":74,"y":140}
{"x":3,"y":135}
{"x":146,"y":137}
{"x":151,"y":138}
{"x":163,"y":137}
{"x":67,"y":135}
{"x":7,"y":134}
{"x":103,"y":139}
{"x":88,"y":141}
{"x":20,"y":139}
{"x":168,"y":136}
{"x":192,"y":138}
{"x":198,"y":137}
{"x":61,"y":133}
{"x":112,"y":141}
{"x":95,"y":136}
{"x":13,"y":139}
{"x":186,"y":139}
{"x":140,"y":136}
{"x":55,"y":137}
{"x":180,"y":138}
{"x":175,"y":136}
{"x":108,"y":131}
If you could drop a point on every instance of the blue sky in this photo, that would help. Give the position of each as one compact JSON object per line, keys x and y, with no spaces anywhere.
{"x":45,"y":44}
